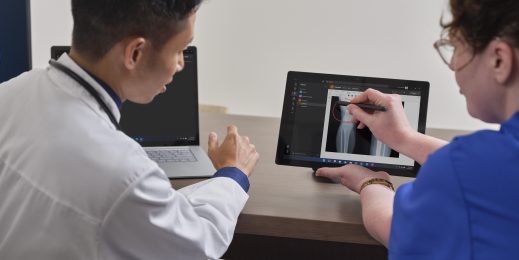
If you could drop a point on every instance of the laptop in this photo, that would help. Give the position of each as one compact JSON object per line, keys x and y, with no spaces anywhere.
{"x":168,"y":127}
{"x":317,"y":131}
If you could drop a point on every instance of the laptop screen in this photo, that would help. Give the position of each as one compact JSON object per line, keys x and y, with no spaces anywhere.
{"x":172,"y":117}
{"x":317,"y":131}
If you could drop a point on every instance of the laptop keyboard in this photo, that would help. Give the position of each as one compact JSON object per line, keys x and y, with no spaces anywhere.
{"x":172,"y":155}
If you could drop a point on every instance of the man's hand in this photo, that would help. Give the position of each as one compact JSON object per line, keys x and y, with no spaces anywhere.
{"x":235,"y":151}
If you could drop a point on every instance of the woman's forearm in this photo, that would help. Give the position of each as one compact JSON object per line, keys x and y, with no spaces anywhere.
{"x":418,"y":146}
{"x":377,"y":211}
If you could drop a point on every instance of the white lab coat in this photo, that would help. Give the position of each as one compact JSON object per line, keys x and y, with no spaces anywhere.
{"x":72,"y":187}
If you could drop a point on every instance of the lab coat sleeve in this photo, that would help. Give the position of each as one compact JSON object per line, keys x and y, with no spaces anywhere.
{"x":153,"y":221}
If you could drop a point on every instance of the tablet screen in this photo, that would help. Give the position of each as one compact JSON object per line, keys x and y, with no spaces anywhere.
{"x":316,"y":129}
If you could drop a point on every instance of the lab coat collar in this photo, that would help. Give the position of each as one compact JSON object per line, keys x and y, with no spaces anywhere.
{"x":71,"y":64}
{"x":108,"y":89}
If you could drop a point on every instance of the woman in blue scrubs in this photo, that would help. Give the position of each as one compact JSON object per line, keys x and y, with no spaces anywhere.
{"x":463,"y":204}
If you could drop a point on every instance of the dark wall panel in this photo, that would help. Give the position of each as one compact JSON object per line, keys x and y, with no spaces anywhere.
{"x":15,"y":38}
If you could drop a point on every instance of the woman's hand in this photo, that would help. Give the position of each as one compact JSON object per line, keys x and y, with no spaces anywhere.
{"x":391,"y":127}
{"x":351,"y":176}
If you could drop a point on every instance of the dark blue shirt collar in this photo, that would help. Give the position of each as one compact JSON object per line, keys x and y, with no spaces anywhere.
{"x":512,"y":125}
{"x":107,"y":88}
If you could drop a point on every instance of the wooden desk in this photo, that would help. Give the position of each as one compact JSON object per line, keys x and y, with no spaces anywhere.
{"x":288,"y":209}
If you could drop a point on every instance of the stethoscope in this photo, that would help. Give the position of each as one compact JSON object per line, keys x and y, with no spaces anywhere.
{"x":88,"y":88}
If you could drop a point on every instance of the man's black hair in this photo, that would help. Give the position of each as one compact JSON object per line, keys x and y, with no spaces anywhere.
{"x":100,"y":24}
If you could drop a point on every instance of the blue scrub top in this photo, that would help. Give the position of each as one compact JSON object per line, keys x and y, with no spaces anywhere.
{"x":464,"y":204}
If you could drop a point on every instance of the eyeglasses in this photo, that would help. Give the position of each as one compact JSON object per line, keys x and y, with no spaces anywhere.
{"x":447,"y":52}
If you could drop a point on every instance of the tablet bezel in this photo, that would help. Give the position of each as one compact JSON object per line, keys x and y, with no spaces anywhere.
{"x":286,"y":126}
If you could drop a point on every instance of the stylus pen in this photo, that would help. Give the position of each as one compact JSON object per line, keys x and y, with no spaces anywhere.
{"x":363,"y":106}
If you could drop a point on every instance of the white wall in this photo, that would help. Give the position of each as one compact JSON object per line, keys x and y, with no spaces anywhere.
{"x":247,"y":46}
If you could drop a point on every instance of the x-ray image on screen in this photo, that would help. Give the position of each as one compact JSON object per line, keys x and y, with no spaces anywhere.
{"x":344,"y":137}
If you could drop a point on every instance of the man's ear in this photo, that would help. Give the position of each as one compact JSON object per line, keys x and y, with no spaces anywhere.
{"x":133,"y":52}
{"x":503,"y":59}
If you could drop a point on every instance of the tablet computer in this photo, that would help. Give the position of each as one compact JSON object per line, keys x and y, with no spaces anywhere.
{"x":316,"y":130}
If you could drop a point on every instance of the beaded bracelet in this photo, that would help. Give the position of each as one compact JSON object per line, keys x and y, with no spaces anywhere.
{"x":380,"y":181}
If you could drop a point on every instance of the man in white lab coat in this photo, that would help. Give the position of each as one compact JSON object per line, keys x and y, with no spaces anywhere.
{"x":74,"y":187}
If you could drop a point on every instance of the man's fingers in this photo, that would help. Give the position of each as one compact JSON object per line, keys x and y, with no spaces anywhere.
{"x":232,"y":130}
{"x":212,"y":143}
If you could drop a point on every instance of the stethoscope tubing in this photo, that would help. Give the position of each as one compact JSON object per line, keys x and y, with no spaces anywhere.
{"x":88,"y":88}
